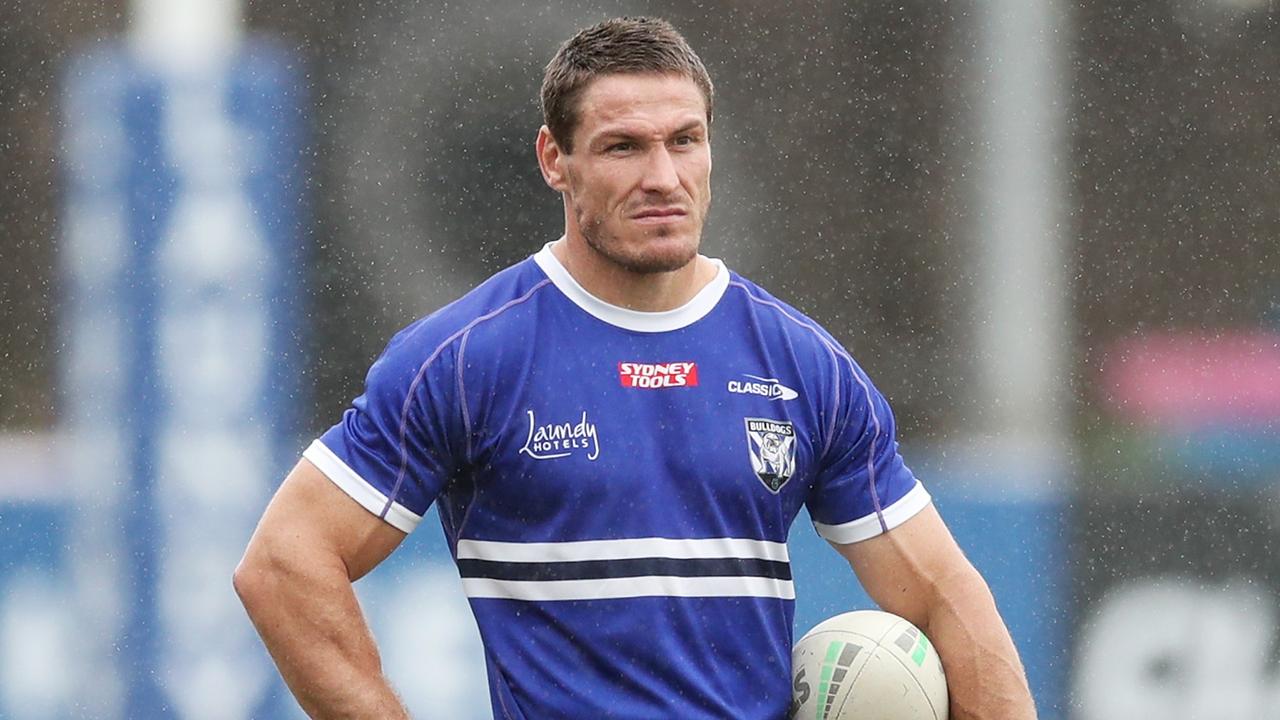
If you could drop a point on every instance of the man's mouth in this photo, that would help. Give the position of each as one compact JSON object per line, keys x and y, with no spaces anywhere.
{"x":660,"y":214}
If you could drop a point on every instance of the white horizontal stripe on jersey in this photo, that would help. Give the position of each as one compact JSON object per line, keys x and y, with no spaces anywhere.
{"x":369,"y":497}
{"x":868,"y":527}
{"x":629,"y":587}
{"x":679,"y":548}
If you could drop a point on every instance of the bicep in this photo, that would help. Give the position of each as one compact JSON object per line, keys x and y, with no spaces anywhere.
{"x":311,"y":520}
{"x":909,"y":568}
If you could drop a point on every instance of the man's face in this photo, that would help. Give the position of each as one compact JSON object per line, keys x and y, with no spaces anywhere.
{"x":638,"y":183}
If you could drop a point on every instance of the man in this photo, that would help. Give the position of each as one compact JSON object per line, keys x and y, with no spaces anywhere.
{"x":618,"y":433}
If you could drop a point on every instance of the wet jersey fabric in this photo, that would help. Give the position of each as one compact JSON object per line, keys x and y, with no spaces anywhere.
{"x":616,"y":487}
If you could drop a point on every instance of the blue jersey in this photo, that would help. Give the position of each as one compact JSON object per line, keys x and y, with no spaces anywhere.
{"x":617,"y":486}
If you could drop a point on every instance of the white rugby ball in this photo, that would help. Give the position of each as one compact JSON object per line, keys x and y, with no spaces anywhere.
{"x":867,"y":665}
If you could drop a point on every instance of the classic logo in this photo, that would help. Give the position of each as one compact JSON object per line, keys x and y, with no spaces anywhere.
{"x":765,"y":387}
{"x":658,"y":375}
{"x":557,"y":440}
{"x":772,"y":447}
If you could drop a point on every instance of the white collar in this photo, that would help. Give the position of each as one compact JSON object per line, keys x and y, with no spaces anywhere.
{"x":636,"y":320}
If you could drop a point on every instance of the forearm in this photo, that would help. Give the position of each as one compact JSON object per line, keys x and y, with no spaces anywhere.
{"x":985,"y":678}
{"x":311,"y":623}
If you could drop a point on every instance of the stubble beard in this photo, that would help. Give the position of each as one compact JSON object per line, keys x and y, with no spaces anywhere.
{"x":610,"y":248}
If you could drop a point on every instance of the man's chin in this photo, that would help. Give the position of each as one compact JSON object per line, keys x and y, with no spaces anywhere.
{"x":655,"y":252}
{"x":655,"y":264}
{"x":660,"y":254}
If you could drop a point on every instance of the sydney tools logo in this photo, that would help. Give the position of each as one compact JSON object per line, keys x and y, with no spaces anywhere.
{"x":658,"y":375}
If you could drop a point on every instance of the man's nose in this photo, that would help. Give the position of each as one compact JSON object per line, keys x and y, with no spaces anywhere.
{"x":660,"y":173}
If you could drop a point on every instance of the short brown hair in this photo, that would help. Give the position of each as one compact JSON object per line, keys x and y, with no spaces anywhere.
{"x":621,"y":45}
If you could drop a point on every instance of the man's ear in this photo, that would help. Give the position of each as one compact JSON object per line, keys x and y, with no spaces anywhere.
{"x":551,"y":160}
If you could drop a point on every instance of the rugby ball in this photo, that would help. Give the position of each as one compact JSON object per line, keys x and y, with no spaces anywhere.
{"x":867,"y":665}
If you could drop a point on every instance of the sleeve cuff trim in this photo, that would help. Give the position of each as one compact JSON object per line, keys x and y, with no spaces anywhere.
{"x":865,"y":528}
{"x":360,"y":490}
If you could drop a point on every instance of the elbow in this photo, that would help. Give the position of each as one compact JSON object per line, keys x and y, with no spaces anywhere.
{"x":242,"y":580}
{"x":252,"y":578}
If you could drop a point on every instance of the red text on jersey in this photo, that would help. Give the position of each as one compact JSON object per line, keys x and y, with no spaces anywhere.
{"x":658,"y":375}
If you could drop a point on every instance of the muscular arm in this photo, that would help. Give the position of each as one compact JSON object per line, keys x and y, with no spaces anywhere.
{"x":295,"y":581}
{"x":918,"y":572}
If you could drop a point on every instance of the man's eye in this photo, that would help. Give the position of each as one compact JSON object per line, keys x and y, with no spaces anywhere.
{"x":620,"y":147}
{"x":685,"y":140}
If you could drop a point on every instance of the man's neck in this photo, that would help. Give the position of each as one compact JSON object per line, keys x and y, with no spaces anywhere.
{"x":646,"y":292}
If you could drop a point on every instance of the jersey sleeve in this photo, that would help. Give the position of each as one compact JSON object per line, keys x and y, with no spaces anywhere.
{"x":393,"y":451}
{"x":863,"y":487}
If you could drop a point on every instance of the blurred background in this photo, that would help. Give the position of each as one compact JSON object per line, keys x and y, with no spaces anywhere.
{"x":1049,"y":230}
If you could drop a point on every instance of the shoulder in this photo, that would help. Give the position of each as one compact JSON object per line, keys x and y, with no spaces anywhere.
{"x":775,"y":315}
{"x":429,"y":338}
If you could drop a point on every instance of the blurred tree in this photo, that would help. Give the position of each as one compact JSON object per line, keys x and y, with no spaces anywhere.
{"x":843,"y":142}
{"x":35,"y":38}
{"x":836,"y":147}
{"x":1177,"y":135}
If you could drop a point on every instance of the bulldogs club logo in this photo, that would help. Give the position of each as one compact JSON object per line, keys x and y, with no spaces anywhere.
{"x":772,"y":447}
